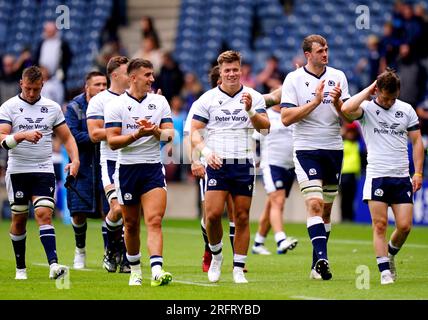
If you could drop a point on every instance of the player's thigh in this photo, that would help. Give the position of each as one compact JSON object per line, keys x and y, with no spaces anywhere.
{"x":154,"y":204}
{"x":378,"y":212}
{"x":242,"y":206}
{"x":18,"y":192}
{"x":214,"y":203}
{"x":277,"y":198}
{"x":403,"y":213}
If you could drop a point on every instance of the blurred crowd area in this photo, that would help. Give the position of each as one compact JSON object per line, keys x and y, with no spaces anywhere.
{"x":401,"y":46}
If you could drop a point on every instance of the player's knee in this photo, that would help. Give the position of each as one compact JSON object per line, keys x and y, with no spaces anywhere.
{"x":19,"y":223}
{"x":315,"y":206}
{"x":404,"y":228}
{"x":329,"y":193}
{"x":241,"y":217}
{"x":18,"y":209}
{"x":154,"y":222}
{"x":132,"y":228}
{"x":380,"y":227}
{"x":277,"y":200}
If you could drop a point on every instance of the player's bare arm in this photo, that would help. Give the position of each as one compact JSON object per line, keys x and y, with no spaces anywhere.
{"x":32,"y":136}
{"x":67,"y":139}
{"x":351,"y":108}
{"x":199,"y":148}
{"x":293,"y":115}
{"x":418,"y":158}
{"x":96,"y":130}
{"x":273,"y":98}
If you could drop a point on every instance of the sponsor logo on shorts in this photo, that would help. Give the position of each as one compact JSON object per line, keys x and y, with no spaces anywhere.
{"x":19,"y":194}
{"x":279,"y":184}
{"x":127,"y":196}
{"x":212,"y":182}
{"x":409,"y":194}
{"x":312,"y":172}
{"x":250,"y":186}
{"x":378,"y":192}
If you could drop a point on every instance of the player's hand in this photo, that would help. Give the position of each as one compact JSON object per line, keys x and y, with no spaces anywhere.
{"x":336,"y":93}
{"x":416,"y":182}
{"x":319,"y":92}
{"x":214,"y":161}
{"x":73,"y":167}
{"x":247,"y":100}
{"x":372,"y":89}
{"x":146,"y":128}
{"x":33,"y":136}
{"x":198,"y":169}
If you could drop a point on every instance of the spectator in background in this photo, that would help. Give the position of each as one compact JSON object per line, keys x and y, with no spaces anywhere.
{"x":413,"y":76}
{"x":412,"y":27}
{"x":170,"y":79}
{"x":148,"y":30}
{"x":422,"y":18}
{"x":371,"y":62}
{"x":388,"y":47}
{"x":174,"y":165}
{"x":149,"y":51}
{"x":52,"y":88}
{"x":351,"y":170}
{"x":422,"y":111}
{"x":110,"y":49}
{"x":271,"y":77}
{"x":10,"y":73}
{"x":247,"y":77}
{"x":8,"y":78}
{"x":53,"y":52}
{"x":191,"y":90}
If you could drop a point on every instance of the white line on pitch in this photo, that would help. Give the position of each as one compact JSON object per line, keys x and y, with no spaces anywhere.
{"x":195,"y":283}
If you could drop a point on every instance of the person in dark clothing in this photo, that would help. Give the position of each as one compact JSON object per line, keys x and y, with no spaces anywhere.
{"x":88,"y":181}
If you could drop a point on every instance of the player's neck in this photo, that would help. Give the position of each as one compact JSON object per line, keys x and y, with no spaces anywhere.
{"x":115,"y":88}
{"x":316,"y":70}
{"x":231,"y":90}
{"x":137,"y":94}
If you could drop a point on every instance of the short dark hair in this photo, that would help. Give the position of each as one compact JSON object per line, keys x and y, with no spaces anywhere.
{"x":32,"y":73}
{"x":388,"y":81}
{"x":137,"y":63}
{"x":311,"y":39}
{"x":115,"y":63}
{"x":228,"y":57}
{"x":213,"y":76}
{"x":92,"y":74}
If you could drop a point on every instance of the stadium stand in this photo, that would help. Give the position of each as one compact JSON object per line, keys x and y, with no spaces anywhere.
{"x":87,"y":19}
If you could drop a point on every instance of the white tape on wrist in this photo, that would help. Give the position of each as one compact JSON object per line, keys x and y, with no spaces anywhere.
{"x":9,"y":142}
{"x":252,"y":112}
{"x":206,"y":152}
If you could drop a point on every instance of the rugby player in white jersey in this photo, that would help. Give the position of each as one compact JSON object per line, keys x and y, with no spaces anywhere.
{"x":119,"y":82}
{"x":276,"y":163}
{"x":198,"y":170}
{"x":27,"y":122}
{"x":229,"y":113}
{"x":135,"y":124}
{"x":387,"y":123}
{"x":311,"y":98}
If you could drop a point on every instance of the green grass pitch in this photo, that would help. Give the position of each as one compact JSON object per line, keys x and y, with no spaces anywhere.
{"x":275,"y":277}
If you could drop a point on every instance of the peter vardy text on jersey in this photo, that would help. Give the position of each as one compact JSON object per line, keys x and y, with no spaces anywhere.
{"x":26,"y":127}
{"x":234,"y":118}
{"x":389,"y":131}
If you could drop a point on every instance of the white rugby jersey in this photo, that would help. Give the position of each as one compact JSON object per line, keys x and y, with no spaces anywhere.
{"x":277,"y":147}
{"x":229,"y":127}
{"x":96,"y":111}
{"x":321,"y":128}
{"x":43,"y":115}
{"x":124,"y":111}
{"x":385,"y":132}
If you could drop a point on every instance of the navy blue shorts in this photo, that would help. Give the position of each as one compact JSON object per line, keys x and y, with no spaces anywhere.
{"x":21,"y":187}
{"x":235,"y":176}
{"x":134,"y":180}
{"x":278,"y":178}
{"x":388,"y":189}
{"x":325,"y":165}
